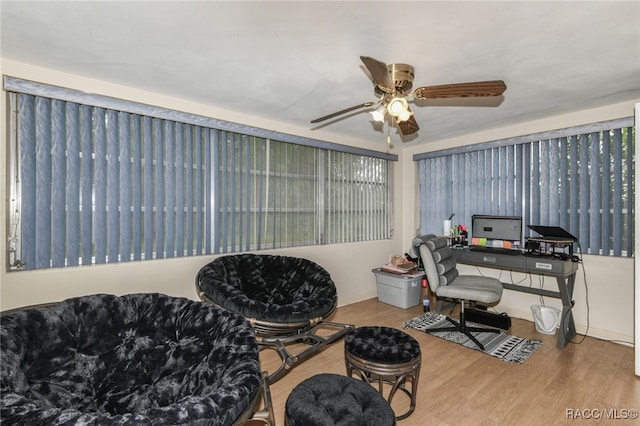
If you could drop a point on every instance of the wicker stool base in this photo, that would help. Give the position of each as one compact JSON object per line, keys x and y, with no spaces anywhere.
{"x":394,"y":374}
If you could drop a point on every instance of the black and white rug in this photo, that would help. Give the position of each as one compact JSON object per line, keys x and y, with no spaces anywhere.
{"x":503,"y":346}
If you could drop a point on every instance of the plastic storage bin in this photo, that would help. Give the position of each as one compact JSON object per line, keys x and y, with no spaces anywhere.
{"x":402,"y":291}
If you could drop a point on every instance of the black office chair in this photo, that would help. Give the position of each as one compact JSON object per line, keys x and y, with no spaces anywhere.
{"x":445,"y":282}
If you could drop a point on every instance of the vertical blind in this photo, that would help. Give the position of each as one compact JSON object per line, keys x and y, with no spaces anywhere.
{"x":102,"y":186}
{"x":358,"y":199}
{"x":99,"y":185}
{"x":265,"y":193}
{"x":582,"y":182}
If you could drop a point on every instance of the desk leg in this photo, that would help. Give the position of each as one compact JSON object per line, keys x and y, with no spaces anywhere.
{"x":567,"y":329}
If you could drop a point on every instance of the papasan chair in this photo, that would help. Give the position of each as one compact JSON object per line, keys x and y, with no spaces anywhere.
{"x":139,"y":359}
{"x":287,"y":300}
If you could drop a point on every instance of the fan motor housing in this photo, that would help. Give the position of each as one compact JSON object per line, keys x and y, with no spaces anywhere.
{"x":402,"y":76}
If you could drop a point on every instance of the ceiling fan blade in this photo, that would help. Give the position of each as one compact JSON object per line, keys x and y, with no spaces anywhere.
{"x":342,"y":111}
{"x":379,"y":72}
{"x":408,"y":127}
{"x":461,"y":90}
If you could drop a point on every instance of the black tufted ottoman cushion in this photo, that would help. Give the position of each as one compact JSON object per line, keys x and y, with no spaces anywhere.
{"x":382,"y":344}
{"x":387,"y":355}
{"x":331,"y":399}
{"x":138,"y":359}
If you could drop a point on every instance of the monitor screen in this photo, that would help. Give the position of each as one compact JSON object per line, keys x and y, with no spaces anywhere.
{"x":504,"y":228}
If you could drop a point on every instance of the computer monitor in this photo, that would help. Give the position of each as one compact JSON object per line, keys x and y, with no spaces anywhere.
{"x":497,"y":228}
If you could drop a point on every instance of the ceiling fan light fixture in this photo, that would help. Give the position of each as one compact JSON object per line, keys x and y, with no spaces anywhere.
{"x":397,"y":106}
{"x":405,"y":115}
{"x":379,"y":113}
{"x":393,"y":82}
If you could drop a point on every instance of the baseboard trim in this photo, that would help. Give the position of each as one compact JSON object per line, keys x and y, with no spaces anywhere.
{"x":581,"y":329}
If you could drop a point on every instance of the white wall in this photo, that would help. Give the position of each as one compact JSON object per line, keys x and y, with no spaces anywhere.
{"x":351,"y":273}
{"x":610,"y":280}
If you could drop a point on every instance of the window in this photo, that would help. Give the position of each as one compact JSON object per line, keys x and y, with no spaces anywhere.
{"x":357,"y":198}
{"x":580,"y":179}
{"x":98,"y":180}
{"x":265,"y":194}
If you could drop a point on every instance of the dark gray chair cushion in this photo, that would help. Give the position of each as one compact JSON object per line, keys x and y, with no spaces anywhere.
{"x":279,"y":289}
{"x":137,"y":359}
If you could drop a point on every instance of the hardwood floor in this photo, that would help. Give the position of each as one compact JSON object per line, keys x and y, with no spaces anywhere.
{"x":460,"y":386}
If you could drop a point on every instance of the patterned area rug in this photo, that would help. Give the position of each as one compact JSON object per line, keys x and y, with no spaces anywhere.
{"x":503,"y":346}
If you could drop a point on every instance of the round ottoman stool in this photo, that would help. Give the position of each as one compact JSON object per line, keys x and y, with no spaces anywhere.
{"x":330,"y":399}
{"x":386,"y":355}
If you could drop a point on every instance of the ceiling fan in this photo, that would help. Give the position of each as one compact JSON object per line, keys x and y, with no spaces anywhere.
{"x":393,"y":84}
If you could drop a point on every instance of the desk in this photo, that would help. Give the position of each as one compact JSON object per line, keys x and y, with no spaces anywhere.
{"x":563,"y":270}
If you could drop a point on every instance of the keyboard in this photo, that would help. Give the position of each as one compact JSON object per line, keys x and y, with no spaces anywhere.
{"x":495,"y":250}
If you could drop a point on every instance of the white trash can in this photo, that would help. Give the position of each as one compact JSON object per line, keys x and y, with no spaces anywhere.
{"x":546,"y":318}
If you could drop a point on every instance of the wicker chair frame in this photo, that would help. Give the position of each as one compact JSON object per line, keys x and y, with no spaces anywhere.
{"x":260,"y":409}
{"x":278,"y":335}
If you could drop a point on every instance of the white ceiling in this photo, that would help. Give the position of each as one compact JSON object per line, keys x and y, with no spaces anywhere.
{"x":295,"y":61}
